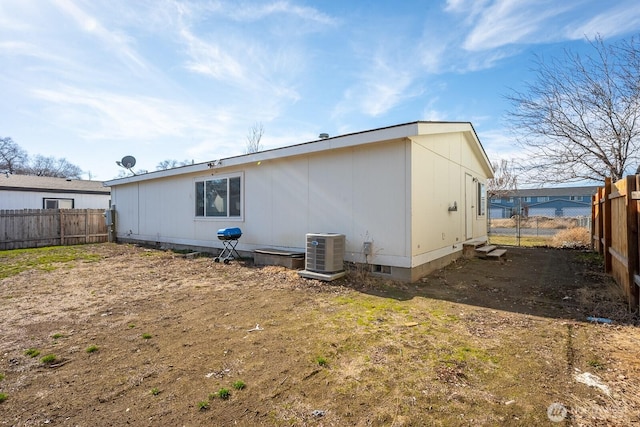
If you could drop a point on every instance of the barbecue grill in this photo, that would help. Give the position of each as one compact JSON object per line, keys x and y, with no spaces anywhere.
{"x":229,"y":238}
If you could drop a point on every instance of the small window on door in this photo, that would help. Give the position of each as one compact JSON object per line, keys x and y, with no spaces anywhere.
{"x":482,"y":199}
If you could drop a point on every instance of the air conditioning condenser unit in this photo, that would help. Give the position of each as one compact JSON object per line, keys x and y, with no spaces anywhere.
{"x":324,"y":256}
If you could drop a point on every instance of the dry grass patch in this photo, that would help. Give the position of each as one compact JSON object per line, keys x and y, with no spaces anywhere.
{"x":573,"y":238}
{"x":535,"y":222}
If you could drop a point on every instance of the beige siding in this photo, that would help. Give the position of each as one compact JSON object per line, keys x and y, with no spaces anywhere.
{"x":439,"y":164}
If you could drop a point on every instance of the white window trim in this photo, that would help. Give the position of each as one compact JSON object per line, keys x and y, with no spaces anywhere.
{"x":220,"y":218}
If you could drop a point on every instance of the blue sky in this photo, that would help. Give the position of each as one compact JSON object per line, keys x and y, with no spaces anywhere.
{"x":94,"y":80}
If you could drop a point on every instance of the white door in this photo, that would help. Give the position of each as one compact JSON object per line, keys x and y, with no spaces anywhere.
{"x":469,"y":206}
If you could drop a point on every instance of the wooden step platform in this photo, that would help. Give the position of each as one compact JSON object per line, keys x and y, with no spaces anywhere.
{"x":481,"y":249}
{"x":497,"y":253}
{"x":484,"y":250}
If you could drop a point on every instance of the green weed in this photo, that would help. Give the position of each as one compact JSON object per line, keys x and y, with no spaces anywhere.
{"x":3,"y":397}
{"x":155,"y":391}
{"x":48,"y":359}
{"x":92,"y":349}
{"x":147,"y":336}
{"x":321,"y":361}
{"x":224,"y":393}
{"x":203,"y":405}
{"x":595,"y":363}
{"x":239,"y":385}
{"x":33,"y":352}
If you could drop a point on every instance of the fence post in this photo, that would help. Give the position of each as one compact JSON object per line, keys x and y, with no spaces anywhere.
{"x":86,"y":226}
{"x":594,"y":216}
{"x":632,"y":241}
{"x":606,"y":225}
{"x":60,"y":215}
{"x":111,"y":228}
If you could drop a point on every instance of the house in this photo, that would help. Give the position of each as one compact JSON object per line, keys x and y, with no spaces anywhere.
{"x":412,"y":194}
{"x":548,"y":202}
{"x":41,"y":192}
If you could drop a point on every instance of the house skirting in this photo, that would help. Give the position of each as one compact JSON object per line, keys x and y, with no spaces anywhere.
{"x":402,"y":274}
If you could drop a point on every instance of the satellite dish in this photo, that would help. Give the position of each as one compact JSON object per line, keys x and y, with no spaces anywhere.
{"x":128,"y":162}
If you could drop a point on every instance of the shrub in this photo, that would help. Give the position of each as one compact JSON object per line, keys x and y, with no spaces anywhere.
{"x":577,"y":237}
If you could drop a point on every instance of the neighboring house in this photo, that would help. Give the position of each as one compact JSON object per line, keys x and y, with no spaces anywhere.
{"x":41,"y":192}
{"x":414,"y":192}
{"x":548,"y":202}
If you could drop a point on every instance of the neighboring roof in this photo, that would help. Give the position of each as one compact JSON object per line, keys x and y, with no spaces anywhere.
{"x":405,"y":130}
{"x":553,"y":192}
{"x":48,"y":184}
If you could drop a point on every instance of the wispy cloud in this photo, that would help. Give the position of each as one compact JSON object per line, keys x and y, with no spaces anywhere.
{"x":100,"y":115}
{"x":114,"y":41}
{"x":620,"y":20}
{"x":246,"y":12}
{"x":507,"y":22}
{"x":209,"y":58}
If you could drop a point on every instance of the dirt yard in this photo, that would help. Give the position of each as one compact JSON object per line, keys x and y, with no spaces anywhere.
{"x":139,"y":336}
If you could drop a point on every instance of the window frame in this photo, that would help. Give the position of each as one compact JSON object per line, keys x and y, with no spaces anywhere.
{"x":57,"y":200}
{"x":200,"y":184}
{"x":481,"y":202}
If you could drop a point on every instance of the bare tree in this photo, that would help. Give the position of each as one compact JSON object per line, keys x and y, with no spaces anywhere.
{"x":253,"y":138}
{"x":505,"y":179}
{"x":580,"y":118}
{"x":172,"y":163}
{"x":13,"y":158}
{"x":50,"y":166}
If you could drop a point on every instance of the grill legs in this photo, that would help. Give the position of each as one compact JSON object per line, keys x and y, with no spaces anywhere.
{"x":228,"y":251}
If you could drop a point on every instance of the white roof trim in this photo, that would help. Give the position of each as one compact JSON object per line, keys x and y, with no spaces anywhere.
{"x":350,"y":140}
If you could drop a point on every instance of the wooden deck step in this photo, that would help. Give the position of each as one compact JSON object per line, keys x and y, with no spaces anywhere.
{"x":485,"y":249}
{"x":497,"y":253}
{"x":469,"y":248}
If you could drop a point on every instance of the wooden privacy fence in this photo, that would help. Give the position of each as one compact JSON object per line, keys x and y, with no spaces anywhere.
{"x":616,"y":218}
{"x":30,"y":228}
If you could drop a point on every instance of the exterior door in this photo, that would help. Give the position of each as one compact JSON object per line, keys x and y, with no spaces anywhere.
{"x":469,"y":206}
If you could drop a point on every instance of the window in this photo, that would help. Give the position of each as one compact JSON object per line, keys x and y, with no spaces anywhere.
{"x":576,"y":198}
{"x":482,"y":199}
{"x":527,"y":199}
{"x":543,"y":199}
{"x":219,"y":197}
{"x":57,"y":203}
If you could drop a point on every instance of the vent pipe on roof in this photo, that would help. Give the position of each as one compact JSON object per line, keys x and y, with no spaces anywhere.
{"x":324,"y":136}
